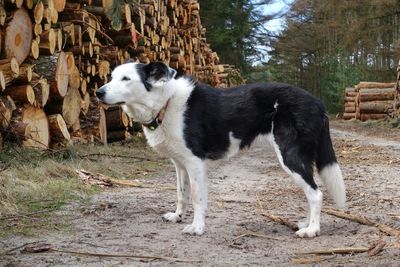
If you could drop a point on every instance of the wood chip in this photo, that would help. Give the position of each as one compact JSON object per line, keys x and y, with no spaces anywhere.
{"x":376,"y":248}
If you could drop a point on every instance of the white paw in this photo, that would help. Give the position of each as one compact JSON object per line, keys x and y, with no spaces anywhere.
{"x":303,"y":224}
{"x":172,"y":217}
{"x":193,"y":229}
{"x":308,"y":232}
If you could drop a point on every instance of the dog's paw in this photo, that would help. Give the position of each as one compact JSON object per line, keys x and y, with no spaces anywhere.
{"x":193,"y":229}
{"x":303,"y":224}
{"x":172,"y":217}
{"x":308,"y":232}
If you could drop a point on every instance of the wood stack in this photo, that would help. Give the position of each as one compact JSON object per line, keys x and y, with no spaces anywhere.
{"x":350,"y":96}
{"x":54,"y":54}
{"x":396,"y":105}
{"x":227,"y":76}
{"x":369,"y":101}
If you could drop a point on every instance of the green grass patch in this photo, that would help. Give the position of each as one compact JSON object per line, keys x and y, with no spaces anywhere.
{"x":34,"y":184}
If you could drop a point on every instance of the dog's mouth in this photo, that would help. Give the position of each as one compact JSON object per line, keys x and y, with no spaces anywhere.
{"x":113,"y":104}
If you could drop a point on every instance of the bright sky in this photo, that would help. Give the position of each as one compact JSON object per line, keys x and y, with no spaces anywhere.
{"x":279,"y":6}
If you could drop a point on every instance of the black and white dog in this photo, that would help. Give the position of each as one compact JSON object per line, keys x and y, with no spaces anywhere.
{"x":192,"y":123}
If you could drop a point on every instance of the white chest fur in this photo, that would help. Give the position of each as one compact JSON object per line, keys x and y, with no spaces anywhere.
{"x":168,"y":138}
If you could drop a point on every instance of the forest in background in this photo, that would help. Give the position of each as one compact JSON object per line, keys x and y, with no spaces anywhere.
{"x":324,"y":46}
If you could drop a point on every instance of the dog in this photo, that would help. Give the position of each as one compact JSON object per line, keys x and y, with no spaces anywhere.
{"x":193,"y":123}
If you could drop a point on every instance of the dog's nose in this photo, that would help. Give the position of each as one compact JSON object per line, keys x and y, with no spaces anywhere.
{"x":100,"y":92}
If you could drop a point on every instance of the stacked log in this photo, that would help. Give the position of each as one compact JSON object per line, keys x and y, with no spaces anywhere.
{"x":369,"y":101}
{"x":54,"y":54}
{"x":227,"y":76}
{"x":350,"y":96}
{"x":396,"y":104}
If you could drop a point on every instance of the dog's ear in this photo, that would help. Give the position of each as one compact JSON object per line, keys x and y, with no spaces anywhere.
{"x":157,"y":74}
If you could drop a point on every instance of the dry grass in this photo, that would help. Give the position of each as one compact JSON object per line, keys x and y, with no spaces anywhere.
{"x":34,"y":183}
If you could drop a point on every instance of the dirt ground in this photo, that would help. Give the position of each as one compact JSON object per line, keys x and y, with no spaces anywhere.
{"x":127,"y":221}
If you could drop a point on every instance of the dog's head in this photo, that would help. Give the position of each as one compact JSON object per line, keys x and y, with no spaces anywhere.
{"x":138,"y":88}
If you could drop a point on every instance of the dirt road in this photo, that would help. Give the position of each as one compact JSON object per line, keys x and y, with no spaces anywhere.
{"x":128,"y":220}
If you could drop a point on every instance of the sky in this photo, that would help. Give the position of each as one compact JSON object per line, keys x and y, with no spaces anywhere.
{"x":278,"y":6}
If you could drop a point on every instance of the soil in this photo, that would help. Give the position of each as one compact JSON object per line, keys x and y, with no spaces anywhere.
{"x":128,"y":220}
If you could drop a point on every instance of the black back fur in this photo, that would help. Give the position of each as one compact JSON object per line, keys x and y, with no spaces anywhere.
{"x":299,"y":123}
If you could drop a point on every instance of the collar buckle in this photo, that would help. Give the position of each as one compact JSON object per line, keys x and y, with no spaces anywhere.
{"x":153,"y":125}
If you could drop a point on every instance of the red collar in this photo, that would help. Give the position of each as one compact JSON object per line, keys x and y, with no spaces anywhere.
{"x":158,"y":119}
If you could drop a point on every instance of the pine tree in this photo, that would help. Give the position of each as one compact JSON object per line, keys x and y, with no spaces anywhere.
{"x":235,"y":30}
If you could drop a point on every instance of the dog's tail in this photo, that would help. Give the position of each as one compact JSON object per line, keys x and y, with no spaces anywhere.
{"x":328,"y":168}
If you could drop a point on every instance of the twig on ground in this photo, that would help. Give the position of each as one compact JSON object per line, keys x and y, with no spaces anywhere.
{"x":347,"y":250}
{"x":151,"y":257}
{"x":44,"y":247}
{"x":275,"y":218}
{"x":362,"y":220}
{"x":114,"y":156}
{"x":373,"y":250}
{"x":376,"y":248}
{"x":352,"y":217}
{"x":8,"y":252}
{"x":314,"y":259}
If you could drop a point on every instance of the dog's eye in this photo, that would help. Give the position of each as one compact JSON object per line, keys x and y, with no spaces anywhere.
{"x":125,"y":78}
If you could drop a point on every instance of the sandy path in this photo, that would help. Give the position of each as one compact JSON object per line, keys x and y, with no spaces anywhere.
{"x":128,"y":220}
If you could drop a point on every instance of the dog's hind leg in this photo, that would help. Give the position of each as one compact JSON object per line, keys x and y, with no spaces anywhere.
{"x":299,"y":166}
{"x":183,"y":194}
{"x":196,"y":169}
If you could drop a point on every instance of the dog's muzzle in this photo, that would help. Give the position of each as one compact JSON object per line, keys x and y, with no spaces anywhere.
{"x":101,"y":92}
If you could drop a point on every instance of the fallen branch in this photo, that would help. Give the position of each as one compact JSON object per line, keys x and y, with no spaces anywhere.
{"x":373,"y":250}
{"x":348,"y":250}
{"x":103,"y":180}
{"x":275,"y":218}
{"x":352,"y":217}
{"x":44,"y":247}
{"x":362,"y":220}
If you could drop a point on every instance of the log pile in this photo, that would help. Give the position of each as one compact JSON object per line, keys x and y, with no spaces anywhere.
{"x":54,"y":54}
{"x":350,"y":96}
{"x":227,"y":76}
{"x":369,"y":101}
{"x":396,"y":105}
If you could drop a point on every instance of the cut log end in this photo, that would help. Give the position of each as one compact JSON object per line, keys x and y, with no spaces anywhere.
{"x":38,"y":122}
{"x":19,"y":36}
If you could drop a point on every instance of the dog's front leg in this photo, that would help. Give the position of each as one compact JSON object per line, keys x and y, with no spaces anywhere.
{"x":198,"y":181}
{"x":183,"y":191}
